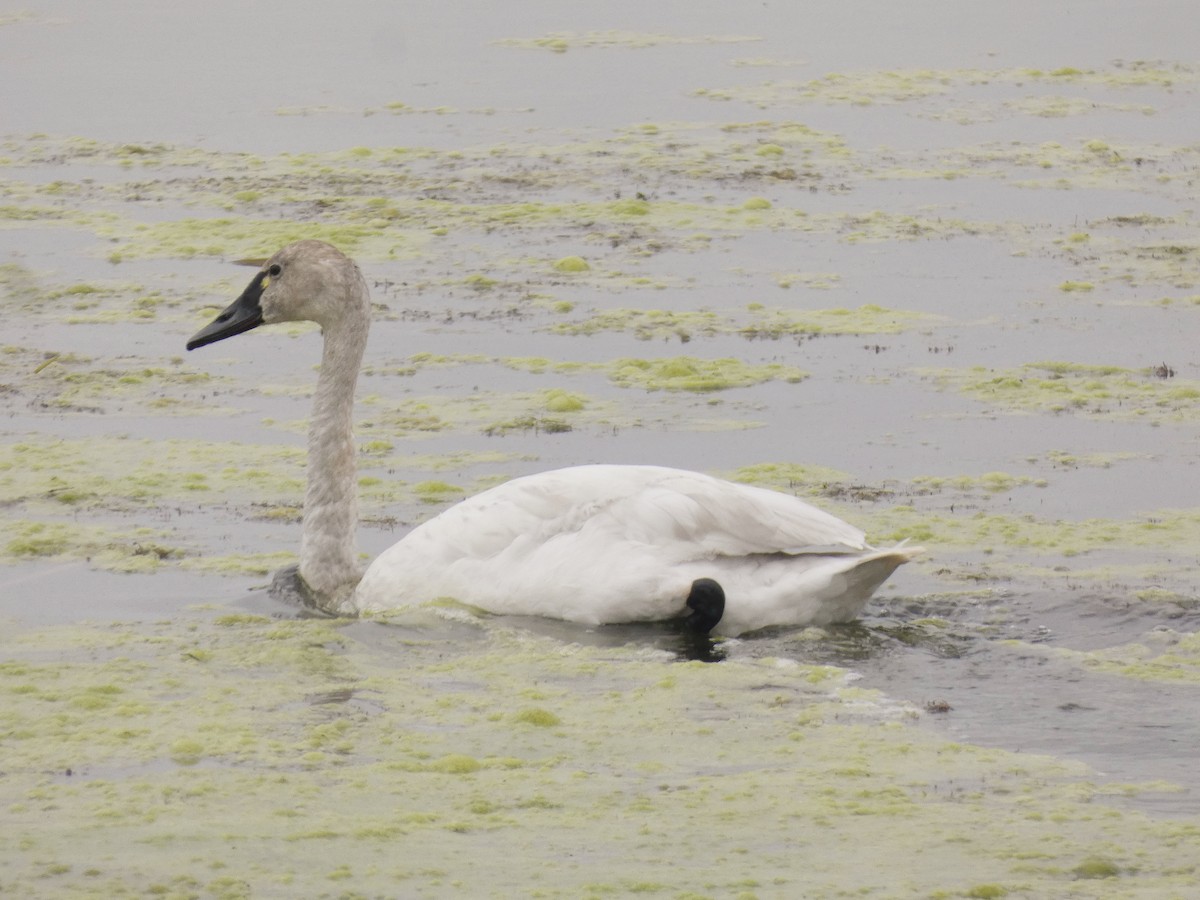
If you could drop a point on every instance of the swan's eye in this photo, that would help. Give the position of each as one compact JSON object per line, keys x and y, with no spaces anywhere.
{"x":274,"y":271}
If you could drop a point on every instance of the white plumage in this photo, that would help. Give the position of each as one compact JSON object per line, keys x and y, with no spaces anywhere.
{"x":594,"y":544}
{"x":599,"y":544}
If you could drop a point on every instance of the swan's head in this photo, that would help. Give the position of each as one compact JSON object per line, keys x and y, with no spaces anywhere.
{"x":307,"y":281}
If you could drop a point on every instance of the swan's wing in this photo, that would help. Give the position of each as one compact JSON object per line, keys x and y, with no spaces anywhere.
{"x":571,"y":542}
{"x":683,"y":514}
{"x":710,"y":517}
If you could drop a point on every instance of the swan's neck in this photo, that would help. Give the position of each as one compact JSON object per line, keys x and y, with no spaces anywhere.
{"x":328,"y":559}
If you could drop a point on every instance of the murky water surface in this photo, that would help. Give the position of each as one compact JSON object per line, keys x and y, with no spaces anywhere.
{"x":948,"y":254}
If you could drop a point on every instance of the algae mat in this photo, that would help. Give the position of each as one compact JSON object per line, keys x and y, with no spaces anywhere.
{"x":234,"y":755}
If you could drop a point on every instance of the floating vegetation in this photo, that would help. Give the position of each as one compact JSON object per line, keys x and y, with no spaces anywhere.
{"x":496,"y":749}
{"x":562,"y":41}
{"x":867,"y":319}
{"x":810,"y":481}
{"x":136,"y":550}
{"x":862,"y":88}
{"x":789,"y":477}
{"x":1161,"y":655}
{"x":255,"y":564}
{"x":687,"y":373}
{"x":387,"y":203}
{"x":1161,"y":530}
{"x":556,"y":401}
{"x":535,"y":424}
{"x":758,"y":321}
{"x":1059,"y":107}
{"x":1059,"y":387}
{"x":1066,"y":460}
{"x":571,"y":264}
{"x":871,"y":87}
{"x":128,"y":474}
{"x":437,"y":491}
{"x":675,"y":373}
{"x":989,"y":482}
{"x":646,"y":324}
{"x":231,"y":237}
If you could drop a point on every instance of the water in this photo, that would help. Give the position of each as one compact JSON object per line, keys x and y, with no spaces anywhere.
{"x":1042,"y":657}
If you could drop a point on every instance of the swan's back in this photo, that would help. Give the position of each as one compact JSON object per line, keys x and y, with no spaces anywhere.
{"x":605,"y":544}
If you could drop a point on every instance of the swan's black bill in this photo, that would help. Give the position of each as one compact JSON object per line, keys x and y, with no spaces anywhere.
{"x":241,"y":315}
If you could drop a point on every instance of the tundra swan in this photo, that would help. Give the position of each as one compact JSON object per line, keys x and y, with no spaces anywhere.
{"x":593,"y":544}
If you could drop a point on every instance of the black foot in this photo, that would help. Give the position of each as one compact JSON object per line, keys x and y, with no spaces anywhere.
{"x":707,"y":602}
{"x":288,"y":586}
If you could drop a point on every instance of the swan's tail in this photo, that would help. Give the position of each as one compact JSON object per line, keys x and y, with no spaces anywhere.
{"x":808,"y":588}
{"x":902,"y":553}
{"x":873,"y":569}
{"x":852,"y":586}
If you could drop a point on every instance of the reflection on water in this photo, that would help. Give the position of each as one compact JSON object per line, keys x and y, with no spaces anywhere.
{"x":669,"y":637}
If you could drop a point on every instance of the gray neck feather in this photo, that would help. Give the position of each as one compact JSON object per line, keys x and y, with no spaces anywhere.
{"x":328,"y":558}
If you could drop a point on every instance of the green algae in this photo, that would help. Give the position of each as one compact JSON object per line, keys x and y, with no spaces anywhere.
{"x":789,"y":476}
{"x":548,"y":410}
{"x":687,"y":373}
{"x":865,"y":320}
{"x":456,"y":460}
{"x":561,"y":41}
{"x":393,"y":107}
{"x":528,"y":423}
{"x":127,"y":474}
{"x":257,"y":564}
{"x":139,"y":550}
{"x":54,"y":483}
{"x":77,"y":383}
{"x":20,"y":287}
{"x":559,"y":401}
{"x":644,"y":324}
{"x":1160,"y":596}
{"x":1064,"y":459}
{"x":1162,"y":655}
{"x":1109,"y":392}
{"x":989,"y":482}
{"x":69,"y":498}
{"x":571,"y":264}
{"x":223,"y":753}
{"x":1158,"y":531}
{"x":437,"y":491}
{"x":360,"y":211}
{"x":812,"y":280}
{"x":560,"y":409}
{"x":986,"y":892}
{"x":1060,"y":107}
{"x":1095,"y":867}
{"x":105,"y":301}
{"x":232,"y":237}
{"x":756,"y":321}
{"x":859,"y":89}
{"x":871,"y":87}
{"x":540,"y":718}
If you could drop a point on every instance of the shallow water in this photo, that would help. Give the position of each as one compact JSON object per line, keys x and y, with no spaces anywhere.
{"x":975,"y":234}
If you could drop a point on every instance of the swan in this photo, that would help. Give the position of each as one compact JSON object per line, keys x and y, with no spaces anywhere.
{"x":594,"y":544}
